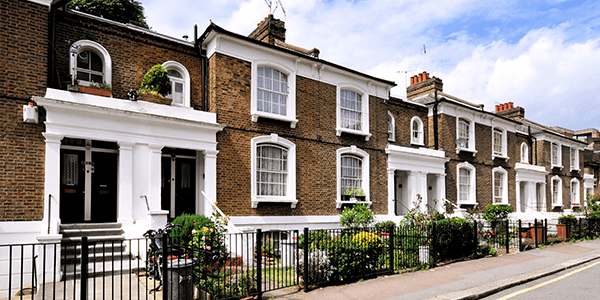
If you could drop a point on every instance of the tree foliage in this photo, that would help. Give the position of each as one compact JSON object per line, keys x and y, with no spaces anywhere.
{"x":123,"y":11}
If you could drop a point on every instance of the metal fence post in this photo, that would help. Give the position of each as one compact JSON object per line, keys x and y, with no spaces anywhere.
{"x":305,"y":253}
{"x":535,"y":232}
{"x":434,"y":244}
{"x":507,"y":236}
{"x":165,"y":259}
{"x":84,"y":267}
{"x":589,"y":227}
{"x":391,"y":249}
{"x":520,"y":237}
{"x":580,"y":230}
{"x":259,"y":263}
{"x":545,"y":231}
{"x":476,"y":237}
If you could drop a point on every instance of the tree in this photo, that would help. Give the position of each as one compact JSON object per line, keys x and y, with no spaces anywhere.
{"x":124,"y":11}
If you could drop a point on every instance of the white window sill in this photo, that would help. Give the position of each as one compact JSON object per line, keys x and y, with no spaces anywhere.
{"x":467,"y":203}
{"x":339,"y":131}
{"x":575,"y":205}
{"x":339,"y":203}
{"x":556,"y":166}
{"x":391,"y":140}
{"x":458,"y":150}
{"x":500,"y":156}
{"x":557,"y":206}
{"x":575,"y":169}
{"x":255,"y":201}
{"x":501,"y":203}
{"x":257,"y":114}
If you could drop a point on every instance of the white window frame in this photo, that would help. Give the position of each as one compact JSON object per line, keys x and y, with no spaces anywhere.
{"x":87,"y":45}
{"x":503,"y":143}
{"x":504,"y":183}
{"x":556,"y":183}
{"x":471,"y":136}
{"x":558,"y":152}
{"x":472,"y":184}
{"x":186,"y":81}
{"x":353,"y":150}
{"x":364,"y":96}
{"x":575,"y":194}
{"x":290,"y":115}
{"x":574,"y":159}
{"x":291,"y":176}
{"x":391,"y":127}
{"x":419,"y":130}
{"x":524,"y":153}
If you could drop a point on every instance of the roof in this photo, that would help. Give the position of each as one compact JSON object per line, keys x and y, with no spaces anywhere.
{"x":214,"y":27}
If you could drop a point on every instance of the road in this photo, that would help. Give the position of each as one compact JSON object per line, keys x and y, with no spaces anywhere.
{"x":577,"y":283}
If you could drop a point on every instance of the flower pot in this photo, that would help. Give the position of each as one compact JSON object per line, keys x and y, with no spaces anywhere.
{"x":360,"y":198}
{"x":540,"y":233}
{"x":346,"y":197}
{"x":95,"y":91}
{"x":562,"y":231}
{"x":155,"y":99}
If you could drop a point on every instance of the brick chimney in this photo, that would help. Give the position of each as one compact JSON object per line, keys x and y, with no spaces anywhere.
{"x":508,"y":110}
{"x":269,"y":30}
{"x":421,"y":84}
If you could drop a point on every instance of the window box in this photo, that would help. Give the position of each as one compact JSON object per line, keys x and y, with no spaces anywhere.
{"x":95,"y":91}
{"x":155,"y":99}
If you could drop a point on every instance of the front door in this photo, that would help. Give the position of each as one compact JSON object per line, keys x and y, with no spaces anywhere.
{"x":401,"y":198}
{"x":178,"y":193}
{"x":88,"y":187}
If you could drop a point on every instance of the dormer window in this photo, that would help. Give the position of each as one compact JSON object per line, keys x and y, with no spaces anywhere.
{"x":90,"y":62}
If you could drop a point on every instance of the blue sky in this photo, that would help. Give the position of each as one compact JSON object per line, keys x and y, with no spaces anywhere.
{"x":543,"y":55}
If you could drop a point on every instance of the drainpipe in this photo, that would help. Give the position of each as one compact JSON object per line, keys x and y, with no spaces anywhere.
{"x":435,"y":121}
{"x":531,"y":138}
{"x":51,"y":31}
{"x":204,"y":64}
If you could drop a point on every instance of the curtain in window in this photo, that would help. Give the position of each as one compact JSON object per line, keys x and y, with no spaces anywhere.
{"x":272,"y":91}
{"x":271,"y":166}
{"x":351,"y":172}
{"x":350,"y":110}
{"x":498,"y":181}
{"x":464,"y":177}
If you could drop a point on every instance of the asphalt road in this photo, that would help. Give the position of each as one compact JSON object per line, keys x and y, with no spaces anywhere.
{"x":577,"y":283}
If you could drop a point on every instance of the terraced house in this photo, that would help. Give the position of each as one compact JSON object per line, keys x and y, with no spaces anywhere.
{"x":278,"y":137}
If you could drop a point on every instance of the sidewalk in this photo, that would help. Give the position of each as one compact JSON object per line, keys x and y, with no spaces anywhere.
{"x":463,"y":280}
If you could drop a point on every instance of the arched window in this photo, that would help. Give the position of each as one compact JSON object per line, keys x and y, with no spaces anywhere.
{"x":500,"y":184}
{"x":273,"y":170}
{"x":90,"y":62}
{"x":180,"y":83}
{"x":524,"y":153}
{"x":352,"y":172}
{"x":556,"y":189}
{"x":391,"y":127}
{"x":416,"y":126}
{"x":273,"y":91}
{"x":466,"y":184}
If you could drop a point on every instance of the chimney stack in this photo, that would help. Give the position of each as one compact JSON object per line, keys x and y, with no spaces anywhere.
{"x":421,"y":84}
{"x":510,"y":111}
{"x":269,"y":30}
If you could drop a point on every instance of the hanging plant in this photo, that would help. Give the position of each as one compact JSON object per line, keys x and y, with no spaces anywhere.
{"x":156,"y":81}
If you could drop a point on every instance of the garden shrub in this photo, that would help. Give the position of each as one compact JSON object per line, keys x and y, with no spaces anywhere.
{"x":564,"y":219}
{"x":383,"y":226}
{"x":317,"y":239}
{"x":354,"y":254}
{"x":182,"y":234}
{"x":320,"y":268}
{"x":496,"y":213}
{"x":359,"y":216}
{"x":155,"y":81}
{"x":455,"y":239}
{"x":593,"y":207}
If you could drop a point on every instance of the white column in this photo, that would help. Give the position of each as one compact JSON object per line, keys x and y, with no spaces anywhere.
{"x":154,"y":199}
{"x":125,"y":183}
{"x":391,"y":192}
{"x":441,"y":191}
{"x":52,"y":184}
{"x":530,"y":195}
{"x":518,"y":191}
{"x":422,"y":190}
{"x":412,"y":189}
{"x":210,"y":177}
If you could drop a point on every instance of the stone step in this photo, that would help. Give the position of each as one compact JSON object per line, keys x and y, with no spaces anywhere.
{"x":101,"y":257}
{"x":96,"y":239}
{"x":91,"y":232}
{"x":90,"y":226}
{"x":109,"y":268}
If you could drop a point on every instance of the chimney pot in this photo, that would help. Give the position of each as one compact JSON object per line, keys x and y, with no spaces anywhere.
{"x":426,"y":75}
{"x":502,"y":107}
{"x":497,"y":108}
{"x":510,"y":105}
{"x":420,"y":77}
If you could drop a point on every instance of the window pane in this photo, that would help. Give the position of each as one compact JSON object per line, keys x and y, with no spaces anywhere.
{"x":97,"y":64}
{"x":83,"y":76}
{"x":97,"y":78}
{"x":272,"y":85}
{"x":83,"y":60}
{"x":271,"y":170}
{"x":174,"y":73}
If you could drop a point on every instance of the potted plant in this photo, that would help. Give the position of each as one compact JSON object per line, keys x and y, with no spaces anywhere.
{"x":100,"y":89}
{"x":359,"y":194}
{"x":561,"y":227}
{"x":348,"y":193}
{"x":155,"y":86}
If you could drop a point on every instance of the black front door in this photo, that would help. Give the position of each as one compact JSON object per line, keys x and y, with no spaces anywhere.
{"x":88,"y":186}
{"x":178,"y":188}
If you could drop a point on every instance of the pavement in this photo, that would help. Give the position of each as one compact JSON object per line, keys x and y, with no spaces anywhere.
{"x":471,"y":279}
